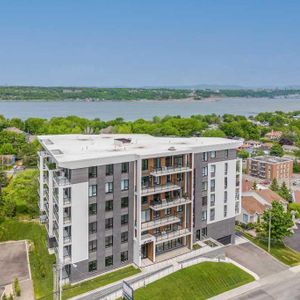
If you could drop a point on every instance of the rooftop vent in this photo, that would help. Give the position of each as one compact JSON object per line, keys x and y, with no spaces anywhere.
{"x":48,"y":142}
{"x":124,"y":140}
{"x":172,"y":148}
{"x":57,"y":152}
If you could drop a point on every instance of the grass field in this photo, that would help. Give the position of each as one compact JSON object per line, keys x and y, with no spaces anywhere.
{"x":200,"y":281}
{"x":71,"y":291}
{"x":286,"y":255}
{"x":40,"y":260}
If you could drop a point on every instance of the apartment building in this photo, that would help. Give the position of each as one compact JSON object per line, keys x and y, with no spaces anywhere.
{"x":113,"y":200}
{"x":270,"y":167}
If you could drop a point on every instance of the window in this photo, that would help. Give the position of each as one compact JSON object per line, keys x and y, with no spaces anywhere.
{"x":168,"y":211}
{"x":109,"y":205}
{"x":145,"y":215}
{"x":145,"y":181}
{"x":198,"y":237}
{"x":145,"y":164}
{"x":93,"y":190}
{"x":179,"y":177}
{"x":157,"y":180}
{"x":204,"y":231}
{"x":204,"y":156}
{"x":204,"y":171}
{"x":125,"y":167}
{"x":108,"y":241}
{"x":124,"y":185}
{"x":92,"y":266}
{"x":156,"y":215}
{"x":178,"y":161}
{"x":109,"y":223}
{"x":157,"y":164}
{"x":124,"y":219}
{"x":213,"y":170}
{"x":92,"y":227}
{"x":109,"y":170}
{"x":204,"y":215}
{"x":213,"y":154}
{"x":92,"y":172}
{"x":109,"y":261}
{"x":225,"y":183}
{"x":124,"y":237}
{"x":93,"y":209}
{"x":225,"y":211}
{"x":212,"y":185}
{"x":212,"y":200}
{"x":225,"y":196}
{"x":144,"y":200}
{"x":109,"y":187}
{"x":237,"y":207}
{"x":179,"y":208}
{"x":212,"y":214}
{"x":92,"y":246}
{"x":124,"y":202}
{"x":245,"y":218}
{"x":204,"y":186}
{"x":226,"y":168}
{"x":124,"y":256}
{"x":226,"y":153}
{"x":204,"y":201}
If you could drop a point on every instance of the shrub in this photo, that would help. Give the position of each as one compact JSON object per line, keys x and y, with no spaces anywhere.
{"x":11,"y":297}
{"x":196,"y":246}
{"x":17,"y":288}
{"x":250,"y":226}
{"x":4,"y":297}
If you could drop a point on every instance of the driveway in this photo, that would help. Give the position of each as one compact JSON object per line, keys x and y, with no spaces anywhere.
{"x":294,"y":240}
{"x":254,"y":259}
{"x":13,"y":262}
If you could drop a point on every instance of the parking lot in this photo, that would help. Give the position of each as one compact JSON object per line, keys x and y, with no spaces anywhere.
{"x":254,"y":259}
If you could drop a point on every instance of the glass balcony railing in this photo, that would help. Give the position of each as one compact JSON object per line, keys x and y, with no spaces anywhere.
{"x":168,"y":203}
{"x":170,"y":170}
{"x":160,"y":222}
{"x":61,"y":180}
{"x":156,"y":189}
{"x":171,"y":235}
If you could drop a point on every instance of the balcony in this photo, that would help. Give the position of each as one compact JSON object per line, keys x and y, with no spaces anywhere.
{"x":67,"y":237}
{"x":67,"y":218}
{"x":67,"y":200}
{"x":160,"y":222}
{"x":163,"y":204}
{"x":55,"y":213}
{"x":61,"y":180}
{"x":170,"y":170}
{"x":157,"y":189}
{"x":172,"y":235}
{"x":67,"y":255}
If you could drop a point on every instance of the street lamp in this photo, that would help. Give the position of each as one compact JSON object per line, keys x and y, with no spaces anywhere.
{"x":269,"y":240}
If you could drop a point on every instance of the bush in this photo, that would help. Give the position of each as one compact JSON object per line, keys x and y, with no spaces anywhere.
{"x":250,"y":226}
{"x":4,"y":297}
{"x":17,"y":288}
{"x":196,"y":246}
{"x":11,"y":297}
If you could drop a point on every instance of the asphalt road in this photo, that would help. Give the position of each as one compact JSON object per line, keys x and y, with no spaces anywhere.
{"x":294,"y":240}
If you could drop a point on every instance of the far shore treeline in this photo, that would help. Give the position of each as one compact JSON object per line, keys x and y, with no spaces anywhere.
{"x":99,"y":94}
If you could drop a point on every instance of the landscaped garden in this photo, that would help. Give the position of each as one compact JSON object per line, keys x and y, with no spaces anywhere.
{"x":200,"y":281}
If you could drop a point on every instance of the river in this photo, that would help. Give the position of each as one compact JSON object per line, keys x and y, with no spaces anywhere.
{"x":132,"y":110}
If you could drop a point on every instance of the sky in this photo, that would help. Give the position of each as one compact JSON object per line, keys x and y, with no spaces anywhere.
{"x":108,"y":43}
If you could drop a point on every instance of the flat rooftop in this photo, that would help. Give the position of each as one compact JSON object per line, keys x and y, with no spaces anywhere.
{"x":271,"y":159}
{"x":103,"y":148}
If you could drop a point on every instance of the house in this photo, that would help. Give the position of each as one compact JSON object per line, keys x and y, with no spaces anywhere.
{"x":273,"y":135}
{"x":255,"y":202}
{"x":7,"y":160}
{"x":14,"y":130}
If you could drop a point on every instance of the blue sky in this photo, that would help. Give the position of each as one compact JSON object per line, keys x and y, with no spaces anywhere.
{"x":150,"y":43}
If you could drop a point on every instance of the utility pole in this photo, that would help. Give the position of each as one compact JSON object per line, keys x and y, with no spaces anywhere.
{"x":269,"y":242}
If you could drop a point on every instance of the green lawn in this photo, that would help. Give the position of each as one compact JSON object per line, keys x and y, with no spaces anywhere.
{"x":200,"y":281}
{"x":40,"y":260}
{"x":71,"y":291}
{"x":286,"y":255}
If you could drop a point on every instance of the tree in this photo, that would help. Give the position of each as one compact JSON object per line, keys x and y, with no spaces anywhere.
{"x":243,"y":154}
{"x":281,"y":223}
{"x":255,"y":185}
{"x":274,"y":185}
{"x":277,"y":150}
{"x":3,"y":180}
{"x":284,"y":192}
{"x":294,"y":206}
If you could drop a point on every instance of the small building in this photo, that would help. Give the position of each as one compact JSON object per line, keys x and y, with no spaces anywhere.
{"x":270,"y":167}
{"x":7,"y":160}
{"x":14,"y":130}
{"x":273,"y":135}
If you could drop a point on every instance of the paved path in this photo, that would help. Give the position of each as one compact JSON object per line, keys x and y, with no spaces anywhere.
{"x":254,"y":259}
{"x":294,"y":240}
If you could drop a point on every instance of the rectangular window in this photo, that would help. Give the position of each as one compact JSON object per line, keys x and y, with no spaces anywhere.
{"x":109,"y":205}
{"x":226,"y":153}
{"x":226,"y":168}
{"x":144,"y":200}
{"x":124,"y":202}
{"x":109,"y":223}
{"x":145,"y":164}
{"x":204,"y":186}
{"x":212,"y":185}
{"x":109,"y":187}
{"x":168,"y":211}
{"x":92,"y":246}
{"x":93,"y":190}
{"x":225,"y":182}
{"x":245,"y":218}
{"x":124,"y":256}
{"x":157,"y":164}
{"x":109,"y":261}
{"x":212,"y":200}
{"x":213,"y":170}
{"x":124,"y":237}
{"x":225,"y":211}
{"x":124,"y":185}
{"x":237,"y":207}
{"x":204,"y":156}
{"x":204,"y":215}
{"x":179,"y":208}
{"x":124,"y":219}
{"x":108,"y":241}
{"x":92,"y":172}
{"x":204,"y":231}
{"x":93,"y":266}
{"x":204,"y":171}
{"x":109,"y":170}
{"x":225,"y":196}
{"x":198,"y":237}
{"x":212,"y":214}
{"x":204,"y":201}
{"x":92,"y":227}
{"x":93,"y":209}
{"x":213,"y":154}
{"x":125,"y":167}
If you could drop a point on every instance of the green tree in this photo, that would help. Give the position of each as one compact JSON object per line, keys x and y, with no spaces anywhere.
{"x":243,"y":154}
{"x":281,"y":223}
{"x":7,"y":148}
{"x":274,"y":185}
{"x":3,"y":180}
{"x":277,"y":150}
{"x":284,"y":192}
{"x":294,"y":206}
{"x":255,"y":185}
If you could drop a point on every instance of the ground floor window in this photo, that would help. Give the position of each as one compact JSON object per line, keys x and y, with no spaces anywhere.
{"x":198,"y":235}
{"x":245,"y":218}
{"x":92,"y":266}
{"x":169,"y":245}
{"x":109,"y":261}
{"x":124,"y":256}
